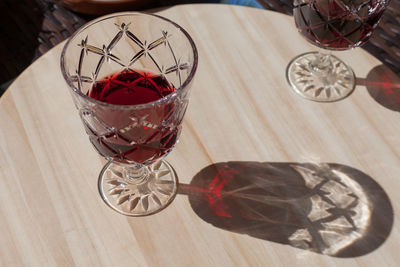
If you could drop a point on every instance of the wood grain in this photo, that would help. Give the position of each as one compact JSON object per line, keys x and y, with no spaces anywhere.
{"x":242,"y":111}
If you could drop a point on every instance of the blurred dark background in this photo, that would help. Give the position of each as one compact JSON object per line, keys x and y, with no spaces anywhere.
{"x":29,"y":28}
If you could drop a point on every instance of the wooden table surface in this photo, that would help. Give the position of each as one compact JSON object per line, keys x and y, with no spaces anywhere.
{"x":266,"y":177}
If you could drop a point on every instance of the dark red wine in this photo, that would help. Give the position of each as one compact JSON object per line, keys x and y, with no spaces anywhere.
{"x":337,"y":24}
{"x":138,"y":135}
{"x":131,"y":87}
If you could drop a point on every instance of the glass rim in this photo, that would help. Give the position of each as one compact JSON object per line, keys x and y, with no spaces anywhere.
{"x":138,"y":106}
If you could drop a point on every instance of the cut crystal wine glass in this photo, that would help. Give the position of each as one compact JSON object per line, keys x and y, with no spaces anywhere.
{"x":134,"y":139}
{"x":332,"y":25}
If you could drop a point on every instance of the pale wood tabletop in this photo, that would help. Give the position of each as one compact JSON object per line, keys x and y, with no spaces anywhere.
{"x":266,"y":177}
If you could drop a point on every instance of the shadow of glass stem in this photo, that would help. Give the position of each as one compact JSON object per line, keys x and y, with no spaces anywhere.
{"x":326,"y":208}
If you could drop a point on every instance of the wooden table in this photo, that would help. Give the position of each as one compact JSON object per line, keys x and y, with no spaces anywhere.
{"x":267,"y":178}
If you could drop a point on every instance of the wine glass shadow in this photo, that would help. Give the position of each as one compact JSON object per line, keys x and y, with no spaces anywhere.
{"x":384,"y":87}
{"x":329,"y":209}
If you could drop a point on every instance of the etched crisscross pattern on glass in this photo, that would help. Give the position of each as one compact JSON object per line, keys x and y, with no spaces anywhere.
{"x":338,"y":24}
{"x":143,"y":134}
{"x":106,"y":54}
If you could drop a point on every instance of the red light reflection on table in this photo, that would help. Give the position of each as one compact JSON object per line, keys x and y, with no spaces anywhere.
{"x":214,"y":195}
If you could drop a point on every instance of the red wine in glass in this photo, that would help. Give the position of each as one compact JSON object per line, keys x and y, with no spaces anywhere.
{"x":337,"y":24}
{"x":142,"y":139}
{"x":131,"y":87}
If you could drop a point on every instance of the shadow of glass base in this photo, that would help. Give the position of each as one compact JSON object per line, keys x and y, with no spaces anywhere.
{"x":326,"y":208}
{"x":383,"y":85}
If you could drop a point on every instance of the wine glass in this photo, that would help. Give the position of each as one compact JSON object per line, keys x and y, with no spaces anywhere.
{"x":332,"y":25}
{"x":130,"y":76}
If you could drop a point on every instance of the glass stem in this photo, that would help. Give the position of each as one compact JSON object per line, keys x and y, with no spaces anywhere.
{"x":322,"y":64}
{"x":135,"y":174}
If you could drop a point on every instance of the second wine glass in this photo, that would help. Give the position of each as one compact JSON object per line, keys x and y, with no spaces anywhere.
{"x":332,"y":25}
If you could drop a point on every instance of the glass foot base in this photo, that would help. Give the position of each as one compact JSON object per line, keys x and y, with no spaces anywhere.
{"x":333,"y":83}
{"x":137,"y":192}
